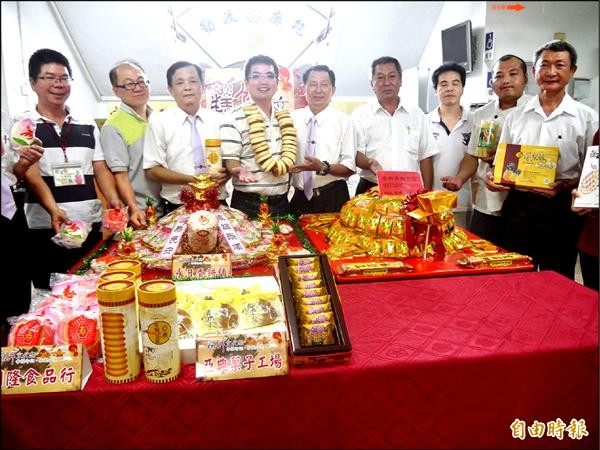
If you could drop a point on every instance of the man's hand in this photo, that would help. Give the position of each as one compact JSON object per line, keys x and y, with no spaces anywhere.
{"x":115,"y":202}
{"x":244,"y":175}
{"x":452,"y":183}
{"x":220,"y":177}
{"x":489,"y":183}
{"x":59,"y":217}
{"x":310,"y":164}
{"x":374,"y":165}
{"x":137,"y":219}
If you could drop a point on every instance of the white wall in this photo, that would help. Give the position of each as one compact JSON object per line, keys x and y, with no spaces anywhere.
{"x":521,"y":33}
{"x":24,"y":26}
{"x":475,"y":88}
{"x":516,"y":32}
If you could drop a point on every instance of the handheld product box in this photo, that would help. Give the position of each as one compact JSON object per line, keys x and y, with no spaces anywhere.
{"x":525,"y":165}
{"x":588,"y":183}
{"x":313,"y":309}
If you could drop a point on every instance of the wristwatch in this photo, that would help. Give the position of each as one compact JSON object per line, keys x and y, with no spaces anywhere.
{"x":325,"y":166}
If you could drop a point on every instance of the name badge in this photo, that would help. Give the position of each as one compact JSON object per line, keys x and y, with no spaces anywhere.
{"x":68,"y":174}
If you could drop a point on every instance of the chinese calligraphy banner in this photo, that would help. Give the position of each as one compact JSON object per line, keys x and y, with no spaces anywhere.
{"x":44,"y":368}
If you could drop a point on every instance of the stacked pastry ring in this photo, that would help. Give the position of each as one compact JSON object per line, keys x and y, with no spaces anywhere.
{"x":260,"y":146}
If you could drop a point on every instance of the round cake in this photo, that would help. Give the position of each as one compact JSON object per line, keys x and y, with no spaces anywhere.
{"x":202,"y":232}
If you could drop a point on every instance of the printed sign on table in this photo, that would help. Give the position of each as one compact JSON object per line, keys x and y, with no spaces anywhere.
{"x":398,"y":183}
{"x":44,"y":368}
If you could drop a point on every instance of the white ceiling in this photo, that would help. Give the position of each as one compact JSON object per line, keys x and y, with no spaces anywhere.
{"x":105,"y":32}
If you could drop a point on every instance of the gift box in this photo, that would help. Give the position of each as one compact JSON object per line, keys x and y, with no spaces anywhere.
{"x":303,"y":289}
{"x":525,"y":165}
{"x":247,"y":340}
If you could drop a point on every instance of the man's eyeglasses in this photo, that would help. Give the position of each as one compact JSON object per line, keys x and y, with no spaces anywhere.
{"x":130,"y":86}
{"x":65,"y":79}
{"x":264,"y":76}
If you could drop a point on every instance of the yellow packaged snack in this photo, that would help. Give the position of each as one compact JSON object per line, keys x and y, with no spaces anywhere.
{"x":313,"y":300}
{"x":317,"y":334}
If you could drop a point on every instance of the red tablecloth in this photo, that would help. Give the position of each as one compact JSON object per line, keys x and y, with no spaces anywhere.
{"x":437,"y":363}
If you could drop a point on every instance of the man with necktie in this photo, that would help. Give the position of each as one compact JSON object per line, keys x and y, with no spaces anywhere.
{"x":326,"y":148}
{"x":174,"y":141}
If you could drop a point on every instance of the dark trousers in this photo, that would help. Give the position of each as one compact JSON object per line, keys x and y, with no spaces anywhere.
{"x":589,"y":269}
{"x":363,"y":186}
{"x":543,"y":228}
{"x":17,"y":274}
{"x":327,"y":199}
{"x":17,"y":270}
{"x":249,"y":203}
{"x":487,"y":226}
{"x":46,"y":257}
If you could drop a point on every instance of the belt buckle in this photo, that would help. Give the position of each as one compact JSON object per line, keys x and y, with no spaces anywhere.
{"x":316,"y":192}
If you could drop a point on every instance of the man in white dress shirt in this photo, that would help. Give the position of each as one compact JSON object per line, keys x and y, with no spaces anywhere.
{"x":508,"y":83}
{"x":391,"y":135}
{"x":539,"y":222}
{"x":168,"y":153}
{"x":451,"y":128}
{"x":326,"y":159}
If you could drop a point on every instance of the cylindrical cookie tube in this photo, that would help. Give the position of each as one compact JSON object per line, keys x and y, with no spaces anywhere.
{"x":119,"y":330}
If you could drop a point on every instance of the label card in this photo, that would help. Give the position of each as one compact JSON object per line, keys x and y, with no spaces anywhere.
{"x":201,"y":267}
{"x":397,"y":183}
{"x":45,"y":368}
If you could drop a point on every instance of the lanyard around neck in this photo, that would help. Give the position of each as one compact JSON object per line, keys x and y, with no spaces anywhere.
{"x":63,"y":143}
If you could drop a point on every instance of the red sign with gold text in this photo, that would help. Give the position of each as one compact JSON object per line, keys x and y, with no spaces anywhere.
{"x":397,"y":183}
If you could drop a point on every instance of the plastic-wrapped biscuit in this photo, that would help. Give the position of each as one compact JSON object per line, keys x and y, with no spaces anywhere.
{"x":318,"y":318}
{"x":307,"y":276}
{"x":317,"y":334}
{"x":306,"y":310}
{"x":318,"y":300}
{"x":309,"y":284}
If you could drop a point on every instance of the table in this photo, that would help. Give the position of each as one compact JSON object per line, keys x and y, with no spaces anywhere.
{"x":436,"y":363}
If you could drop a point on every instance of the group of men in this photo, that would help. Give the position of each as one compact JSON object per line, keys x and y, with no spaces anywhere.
{"x":140,"y":154}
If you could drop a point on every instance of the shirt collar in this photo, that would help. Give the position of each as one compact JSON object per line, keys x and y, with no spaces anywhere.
{"x":320,"y":117}
{"x":377,"y":106}
{"x":435,"y":114}
{"x":129,"y":110}
{"x":183,"y":116}
{"x":37,"y":117}
{"x":567,"y":105}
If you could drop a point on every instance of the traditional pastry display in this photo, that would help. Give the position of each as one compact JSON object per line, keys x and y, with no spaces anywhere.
{"x":227,"y":307}
{"x":399,"y":226}
{"x":315,"y":318}
{"x":203,"y":226}
{"x":202,"y":232}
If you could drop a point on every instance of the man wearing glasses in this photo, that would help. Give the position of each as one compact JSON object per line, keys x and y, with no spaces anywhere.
{"x":173,"y":145}
{"x":249,"y":180}
{"x":122,"y":138}
{"x":391,"y":135}
{"x":61,"y":186}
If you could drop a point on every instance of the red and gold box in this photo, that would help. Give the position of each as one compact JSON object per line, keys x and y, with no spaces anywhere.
{"x":310,"y":297}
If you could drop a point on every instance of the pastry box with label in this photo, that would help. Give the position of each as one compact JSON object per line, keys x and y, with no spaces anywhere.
{"x":313,"y":309}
